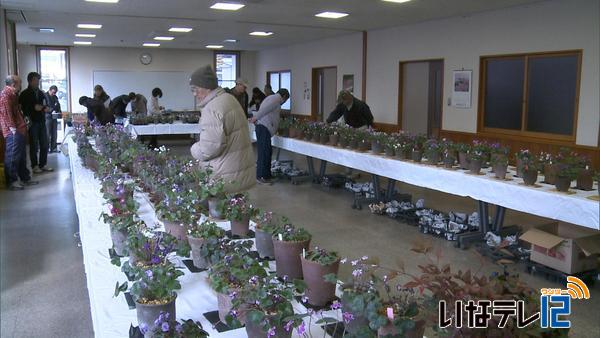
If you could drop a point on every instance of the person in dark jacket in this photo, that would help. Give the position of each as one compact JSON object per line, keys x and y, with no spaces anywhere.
{"x":257,"y":97}
{"x":52,"y":117}
{"x":34,"y":109}
{"x":118,"y":106}
{"x":356,"y":113}
{"x":239,"y":92}
{"x":97,"y":109}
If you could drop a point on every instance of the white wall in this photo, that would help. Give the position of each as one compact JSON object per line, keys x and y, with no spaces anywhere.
{"x":3,"y":49}
{"x":84,"y":60}
{"x":546,"y":26}
{"x":345,"y":52}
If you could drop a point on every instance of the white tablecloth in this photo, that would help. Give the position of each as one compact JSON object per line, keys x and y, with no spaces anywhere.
{"x":542,"y":201}
{"x":176,"y":128}
{"x":111,"y":317}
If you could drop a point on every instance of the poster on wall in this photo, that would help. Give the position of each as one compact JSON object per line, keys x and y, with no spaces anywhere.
{"x":348,"y":82}
{"x":461,"y":92}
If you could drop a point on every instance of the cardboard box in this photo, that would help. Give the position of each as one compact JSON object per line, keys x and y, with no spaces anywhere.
{"x":564,"y":247}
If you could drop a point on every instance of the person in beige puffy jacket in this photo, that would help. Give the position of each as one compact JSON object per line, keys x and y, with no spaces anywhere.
{"x":224,"y":144}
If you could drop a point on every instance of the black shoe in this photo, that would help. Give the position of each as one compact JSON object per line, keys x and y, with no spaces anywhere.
{"x":29,"y":183}
{"x":263,"y":181}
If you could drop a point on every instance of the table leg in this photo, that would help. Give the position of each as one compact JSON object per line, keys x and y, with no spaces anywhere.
{"x":376,"y":187}
{"x":391,"y":190}
{"x":323,"y":168}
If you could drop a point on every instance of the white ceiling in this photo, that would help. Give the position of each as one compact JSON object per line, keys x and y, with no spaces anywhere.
{"x":131,"y":22}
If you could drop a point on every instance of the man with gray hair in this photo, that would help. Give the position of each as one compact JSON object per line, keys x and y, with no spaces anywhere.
{"x":356,"y":113}
{"x":14,"y":130}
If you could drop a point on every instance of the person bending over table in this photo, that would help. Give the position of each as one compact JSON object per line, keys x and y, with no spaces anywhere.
{"x":356,"y":113}
{"x":118,"y":106}
{"x":97,"y":109}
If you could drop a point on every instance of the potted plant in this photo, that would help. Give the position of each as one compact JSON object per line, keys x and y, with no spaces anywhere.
{"x":567,"y":164}
{"x":463,"y":150}
{"x":345,"y":133}
{"x":378,"y":141}
{"x":448,"y":153}
{"x":498,"y":150}
{"x":418,"y":145}
{"x":230,"y":275}
{"x":433,"y":151}
{"x":402,"y":313}
{"x":405,"y":147}
{"x":529,"y":166}
{"x":167,"y":327}
{"x":334,"y":135}
{"x":363,"y":143}
{"x":288,"y":244}
{"x":500,"y":165}
{"x":585,"y":177}
{"x":284,"y":126}
{"x":177,"y":211}
{"x":266,"y":226}
{"x":546,"y":161}
{"x":154,"y":291}
{"x":391,"y":146}
{"x":324,"y":132}
{"x":202,"y":237}
{"x":239,"y":212}
{"x":214,"y":192}
{"x":477,"y":156}
{"x":316,"y":264}
{"x":265,"y":303}
{"x":120,"y":225}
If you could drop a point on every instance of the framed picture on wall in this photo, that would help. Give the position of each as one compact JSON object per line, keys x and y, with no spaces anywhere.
{"x":461,"y":89}
{"x":348,"y":82}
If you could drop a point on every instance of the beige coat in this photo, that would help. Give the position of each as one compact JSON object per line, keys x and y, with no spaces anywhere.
{"x":225,"y":143}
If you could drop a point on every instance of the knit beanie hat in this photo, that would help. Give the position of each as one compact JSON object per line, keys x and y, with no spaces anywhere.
{"x":204,"y":77}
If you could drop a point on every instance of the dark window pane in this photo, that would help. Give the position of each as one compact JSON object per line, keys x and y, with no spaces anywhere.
{"x":552,"y":93}
{"x":504,"y":93}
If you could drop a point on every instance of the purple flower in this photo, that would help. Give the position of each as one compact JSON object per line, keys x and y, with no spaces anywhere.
{"x":144,"y":328}
{"x":348,"y":317}
{"x":288,"y":326}
{"x":233,"y":313}
{"x":304,"y":299}
{"x":357,"y":273}
{"x":155,"y":260}
{"x":178,"y":328}
{"x":271,"y":332}
{"x":149,"y":274}
{"x":165,"y":327}
{"x":232,"y":294}
{"x":336,"y":305}
{"x":301,"y":329}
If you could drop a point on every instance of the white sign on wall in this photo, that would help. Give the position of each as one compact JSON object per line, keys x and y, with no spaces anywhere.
{"x":461,"y":90}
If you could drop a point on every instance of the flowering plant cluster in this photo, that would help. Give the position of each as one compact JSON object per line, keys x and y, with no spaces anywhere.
{"x":528,"y":160}
{"x":240,"y":208}
{"x":322,"y":256}
{"x":291,"y":233}
{"x":234,"y":271}
{"x":166,"y":327}
{"x":154,"y":284}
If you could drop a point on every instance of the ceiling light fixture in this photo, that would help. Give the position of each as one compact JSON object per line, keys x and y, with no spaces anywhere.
{"x":180,"y":29}
{"x":230,"y":40}
{"x":260,"y":33}
{"x":82,"y":43}
{"x":79,"y":35}
{"x":227,"y":6}
{"x":164,"y":38}
{"x":214,"y":46}
{"x":396,"y":1}
{"x":89,"y":26}
{"x":104,"y":1}
{"x":151,"y":44}
{"x":46,"y":30}
{"x":331,"y":15}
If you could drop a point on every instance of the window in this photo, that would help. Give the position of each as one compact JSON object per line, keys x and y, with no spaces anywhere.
{"x":53,"y":66}
{"x":281,"y":79}
{"x":227,"y":66}
{"x":533,"y":95}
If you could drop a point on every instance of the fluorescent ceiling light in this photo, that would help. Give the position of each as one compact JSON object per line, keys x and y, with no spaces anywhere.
{"x":79,"y":35}
{"x":89,"y":26}
{"x":259,"y":33}
{"x":331,"y":15}
{"x":104,"y":1}
{"x":164,"y":38}
{"x":83,"y":43}
{"x":230,"y":40}
{"x":397,"y":1}
{"x":180,"y":29}
{"x":46,"y":30}
{"x":227,"y":6}
{"x":151,"y":44}
{"x":214,"y":46}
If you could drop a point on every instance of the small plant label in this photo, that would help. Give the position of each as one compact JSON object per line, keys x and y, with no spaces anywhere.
{"x":390,"y":313}
{"x":280,"y":237}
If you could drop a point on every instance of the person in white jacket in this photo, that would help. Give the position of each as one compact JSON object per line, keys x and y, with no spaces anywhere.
{"x":266,"y":120}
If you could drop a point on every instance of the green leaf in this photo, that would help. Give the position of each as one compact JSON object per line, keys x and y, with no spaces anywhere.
{"x":330,"y":278}
{"x":326,"y":320}
{"x":255,"y":316}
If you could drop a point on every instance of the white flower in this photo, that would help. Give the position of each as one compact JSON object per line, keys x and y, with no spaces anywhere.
{"x":343,"y":260}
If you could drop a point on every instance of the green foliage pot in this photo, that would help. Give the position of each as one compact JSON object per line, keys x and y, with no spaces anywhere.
{"x":562,"y":183}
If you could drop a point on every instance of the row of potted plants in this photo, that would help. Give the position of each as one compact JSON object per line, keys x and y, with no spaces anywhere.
{"x":373,"y":303}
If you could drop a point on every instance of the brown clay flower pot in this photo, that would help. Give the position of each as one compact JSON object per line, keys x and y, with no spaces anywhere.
{"x":147,"y":313}
{"x":364,"y":145}
{"x":417,"y":156}
{"x":257,"y":331}
{"x":240,"y":228}
{"x":390,"y":331}
{"x":264,"y":244}
{"x":376,"y":147}
{"x":500,"y":171}
{"x":403,"y":154}
{"x":307,"y":136}
{"x":390,"y":152}
{"x":196,"y":245}
{"x":449,"y":162}
{"x":299,"y":134}
{"x":433,"y":158}
{"x":474,"y":166}
{"x":343,"y":142}
{"x":287,"y":258}
{"x":176,"y":229}
{"x":463,"y":160}
{"x":585,"y":180}
{"x":318,"y":291}
{"x":550,"y":172}
{"x":333,"y":139}
{"x":353,"y":144}
{"x":213,"y":209}
{"x":119,"y":239}
{"x":324,"y":139}
{"x":562,"y":183}
{"x":519,"y":164}
{"x":316,"y":138}
{"x":529,"y":176}
{"x":225,"y":306}
{"x":293,"y":132}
